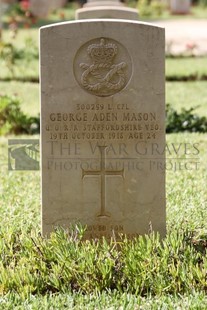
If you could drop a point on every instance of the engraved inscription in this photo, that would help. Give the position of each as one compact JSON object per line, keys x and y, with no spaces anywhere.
{"x":103,"y":173}
{"x":107,"y":70}
{"x":103,"y":122}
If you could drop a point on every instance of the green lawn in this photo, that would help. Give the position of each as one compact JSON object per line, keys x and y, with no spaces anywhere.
{"x":23,"y":70}
{"x":106,"y":301}
{"x":28,"y":93}
{"x":186,"y":68}
{"x":196,"y":12}
{"x":187,"y":95}
{"x":22,"y":35}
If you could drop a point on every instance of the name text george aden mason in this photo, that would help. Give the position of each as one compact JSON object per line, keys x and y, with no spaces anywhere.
{"x":108,"y":116}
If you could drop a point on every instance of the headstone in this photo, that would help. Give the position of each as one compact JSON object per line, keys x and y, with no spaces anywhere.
{"x":106,"y":9}
{"x":41,"y":8}
{"x":1,"y":16}
{"x":180,"y":6}
{"x":56,"y":4}
{"x":4,"y":5}
{"x":8,"y":2}
{"x":102,"y":127}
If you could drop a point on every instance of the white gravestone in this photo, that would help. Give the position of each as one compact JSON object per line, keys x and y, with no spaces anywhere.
{"x":180,"y":6}
{"x":3,"y":7}
{"x":41,"y":8}
{"x":103,"y":127}
{"x":106,"y":9}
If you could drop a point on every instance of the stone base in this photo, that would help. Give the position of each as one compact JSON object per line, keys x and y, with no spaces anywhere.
{"x":107,"y":12}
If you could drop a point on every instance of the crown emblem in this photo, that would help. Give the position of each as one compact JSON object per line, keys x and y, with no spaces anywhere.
{"x":104,"y":74}
{"x":102,"y":53}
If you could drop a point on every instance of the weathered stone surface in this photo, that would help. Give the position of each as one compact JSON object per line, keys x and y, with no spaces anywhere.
{"x":102,"y":127}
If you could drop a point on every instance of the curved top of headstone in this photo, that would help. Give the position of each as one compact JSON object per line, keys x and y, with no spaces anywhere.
{"x":102,"y":21}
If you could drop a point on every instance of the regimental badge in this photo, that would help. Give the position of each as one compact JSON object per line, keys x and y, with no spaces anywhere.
{"x":103,"y":74}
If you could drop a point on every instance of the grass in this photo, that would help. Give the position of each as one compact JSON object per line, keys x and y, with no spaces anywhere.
{"x":18,"y":72}
{"x":22,"y":35}
{"x":186,"y":95}
{"x":196,"y":12}
{"x":106,"y":301}
{"x":59,"y":273}
{"x":28,"y":93}
{"x":186,"y":68}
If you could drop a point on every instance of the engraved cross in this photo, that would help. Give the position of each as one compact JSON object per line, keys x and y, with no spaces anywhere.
{"x":103,"y":173}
